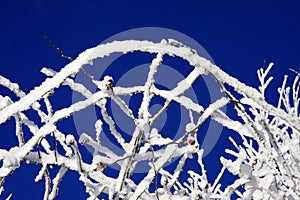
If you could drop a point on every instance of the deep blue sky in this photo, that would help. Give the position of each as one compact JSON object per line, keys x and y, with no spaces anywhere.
{"x":238,"y":35}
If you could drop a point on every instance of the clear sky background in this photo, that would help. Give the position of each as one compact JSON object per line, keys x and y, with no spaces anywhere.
{"x":238,"y":35}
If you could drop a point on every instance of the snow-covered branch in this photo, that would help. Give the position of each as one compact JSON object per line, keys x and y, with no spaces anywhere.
{"x":266,"y":143}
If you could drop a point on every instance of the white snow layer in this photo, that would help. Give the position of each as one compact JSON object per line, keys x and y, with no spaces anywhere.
{"x":266,"y":161}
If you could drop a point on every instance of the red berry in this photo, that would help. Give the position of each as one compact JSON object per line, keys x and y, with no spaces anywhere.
{"x":255,"y":161}
{"x":206,"y":186}
{"x":103,"y":166}
{"x":166,"y":181}
{"x":191,"y":141}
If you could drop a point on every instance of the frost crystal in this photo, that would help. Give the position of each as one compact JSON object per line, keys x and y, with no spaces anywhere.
{"x":265,"y":149}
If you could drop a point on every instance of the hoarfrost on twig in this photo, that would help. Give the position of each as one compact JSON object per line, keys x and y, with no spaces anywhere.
{"x":266,"y":162}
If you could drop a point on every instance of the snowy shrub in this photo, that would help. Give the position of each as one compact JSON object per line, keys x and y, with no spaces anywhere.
{"x":265,"y":160}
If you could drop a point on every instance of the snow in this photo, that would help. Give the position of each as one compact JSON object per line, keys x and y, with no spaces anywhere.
{"x":70,"y":139}
{"x":11,"y":160}
{"x":157,"y":139}
{"x":9,"y":197}
{"x":4,"y":101}
{"x":265,"y":160}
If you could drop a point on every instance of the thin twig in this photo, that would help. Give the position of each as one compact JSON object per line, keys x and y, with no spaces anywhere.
{"x":63,"y":54}
{"x":155,"y":172}
{"x":55,"y":47}
{"x":296,"y":72}
{"x":47,"y":184}
{"x":55,"y":146}
{"x":39,"y":147}
{"x":56,"y":182}
{"x":161,"y":111}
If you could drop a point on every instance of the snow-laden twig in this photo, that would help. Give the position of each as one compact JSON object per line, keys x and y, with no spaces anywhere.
{"x":13,"y":158}
{"x":265,"y":156}
{"x":262,"y":74}
{"x":112,"y":126}
{"x":47,"y":184}
{"x":56,"y":181}
{"x":143,"y":112}
{"x":70,"y":140}
{"x":41,"y":173}
{"x":86,"y":139}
